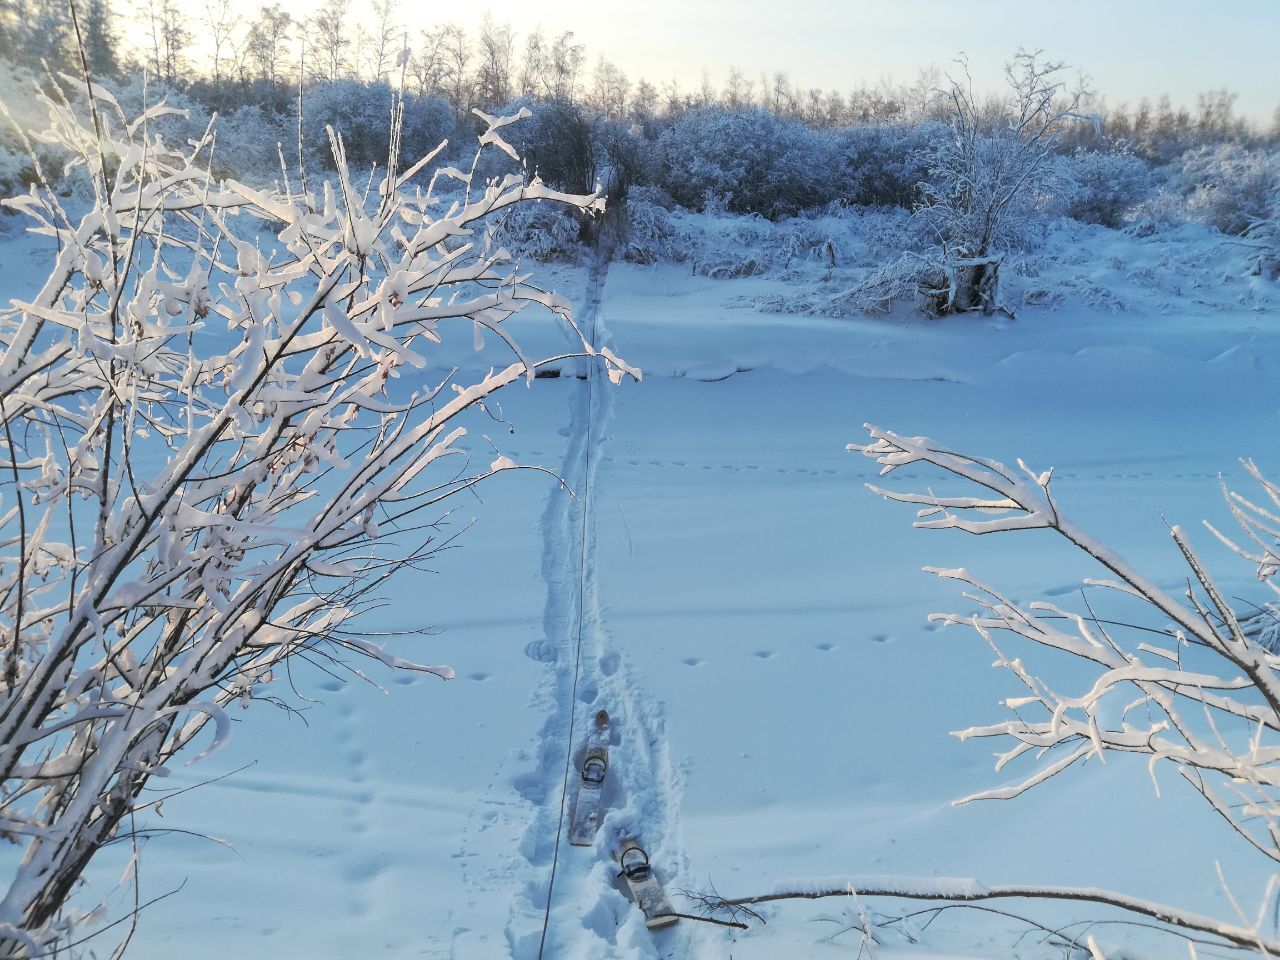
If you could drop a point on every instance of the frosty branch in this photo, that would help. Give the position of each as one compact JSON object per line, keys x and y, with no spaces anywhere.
{"x":1184,"y":681}
{"x":208,"y":465}
{"x":1193,"y":684}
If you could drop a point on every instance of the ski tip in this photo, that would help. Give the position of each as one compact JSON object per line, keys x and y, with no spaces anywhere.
{"x":662,"y":920}
{"x":602,"y":718}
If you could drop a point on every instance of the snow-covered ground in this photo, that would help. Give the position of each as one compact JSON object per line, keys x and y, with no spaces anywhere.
{"x":755,"y":622}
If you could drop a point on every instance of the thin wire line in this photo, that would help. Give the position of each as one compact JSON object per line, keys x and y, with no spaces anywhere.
{"x":597,"y":268}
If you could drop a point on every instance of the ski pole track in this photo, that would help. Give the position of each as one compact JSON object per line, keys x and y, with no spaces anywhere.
{"x":570,"y":906}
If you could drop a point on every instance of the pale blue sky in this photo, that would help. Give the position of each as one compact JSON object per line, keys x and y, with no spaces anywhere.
{"x":1130,"y":48}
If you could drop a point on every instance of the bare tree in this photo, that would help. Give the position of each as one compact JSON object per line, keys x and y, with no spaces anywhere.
{"x":330,"y":37}
{"x":457,"y":80}
{"x":567,"y":59}
{"x":494,"y":63}
{"x":382,"y":40}
{"x":429,"y":64}
{"x":672,"y":100}
{"x":535,"y":66}
{"x":644,"y":101}
{"x":610,"y":90}
{"x":219,"y":21}
{"x":183,"y":514}
{"x":170,"y":37}
{"x":266,"y":46}
{"x":738,"y":90}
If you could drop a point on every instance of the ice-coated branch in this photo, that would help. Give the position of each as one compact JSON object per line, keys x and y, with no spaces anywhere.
{"x":966,"y":891}
{"x":1187,"y":682}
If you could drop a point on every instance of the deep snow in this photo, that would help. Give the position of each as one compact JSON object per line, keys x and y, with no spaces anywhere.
{"x":755,"y":622}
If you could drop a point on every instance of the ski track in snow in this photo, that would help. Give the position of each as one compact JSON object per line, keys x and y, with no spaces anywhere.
{"x":590,"y":917}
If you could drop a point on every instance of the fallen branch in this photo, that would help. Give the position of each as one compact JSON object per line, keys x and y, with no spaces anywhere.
{"x":962,"y":890}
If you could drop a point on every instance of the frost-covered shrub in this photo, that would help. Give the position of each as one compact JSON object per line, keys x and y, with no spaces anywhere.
{"x":361,"y":113}
{"x":650,"y":234}
{"x":24,"y":117}
{"x":885,"y":163}
{"x":138,"y":94}
{"x":555,"y":142}
{"x":756,"y":161}
{"x":1229,"y":186}
{"x":16,"y":172}
{"x":217,"y":490}
{"x":1106,"y":185}
{"x":542,"y":232}
{"x":989,"y":179}
{"x":249,"y":144}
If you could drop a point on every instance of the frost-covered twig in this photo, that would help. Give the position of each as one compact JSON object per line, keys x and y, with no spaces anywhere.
{"x":1206,"y":700}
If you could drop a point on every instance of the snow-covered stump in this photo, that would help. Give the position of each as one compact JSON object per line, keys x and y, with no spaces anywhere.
{"x":183,"y":510}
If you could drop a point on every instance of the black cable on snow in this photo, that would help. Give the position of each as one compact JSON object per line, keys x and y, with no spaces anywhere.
{"x":597,"y":269}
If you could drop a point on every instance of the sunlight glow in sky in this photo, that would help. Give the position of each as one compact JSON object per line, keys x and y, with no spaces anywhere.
{"x":1130,"y":48}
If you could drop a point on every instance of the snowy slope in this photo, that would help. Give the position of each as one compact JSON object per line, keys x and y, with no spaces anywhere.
{"x":755,"y":621}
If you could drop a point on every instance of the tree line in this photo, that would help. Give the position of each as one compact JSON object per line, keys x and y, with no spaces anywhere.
{"x":262,"y":59}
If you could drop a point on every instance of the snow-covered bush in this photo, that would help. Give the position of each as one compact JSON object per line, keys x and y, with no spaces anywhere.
{"x":183,"y":120}
{"x":1107,"y":185}
{"x":21,"y":151}
{"x":650,"y":236}
{"x":756,"y":161}
{"x":215,"y":452}
{"x":986,"y":180}
{"x":1264,"y":236}
{"x":885,"y":163}
{"x":542,"y":232}
{"x":250,"y":142}
{"x":1229,"y":186}
{"x":556,"y":142}
{"x":361,"y":113}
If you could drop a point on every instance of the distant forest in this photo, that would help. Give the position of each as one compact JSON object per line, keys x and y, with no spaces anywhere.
{"x":747,"y":143}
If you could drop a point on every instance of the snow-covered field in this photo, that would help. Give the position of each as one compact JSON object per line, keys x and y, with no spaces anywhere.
{"x":754,"y":620}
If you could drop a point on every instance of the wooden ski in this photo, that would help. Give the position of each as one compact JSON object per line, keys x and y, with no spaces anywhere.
{"x":594,"y":768}
{"x":645,"y":889}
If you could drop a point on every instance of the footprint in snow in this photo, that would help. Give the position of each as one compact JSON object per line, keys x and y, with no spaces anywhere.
{"x":479,"y":676}
{"x":825,"y":647}
{"x":692,"y":661}
{"x":765,"y":654}
{"x":882,"y":638}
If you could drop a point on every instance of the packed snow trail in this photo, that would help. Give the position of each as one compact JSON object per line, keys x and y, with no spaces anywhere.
{"x":572,"y":906}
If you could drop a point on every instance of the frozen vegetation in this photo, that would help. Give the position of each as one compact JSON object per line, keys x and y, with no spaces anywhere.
{"x":260,"y":375}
